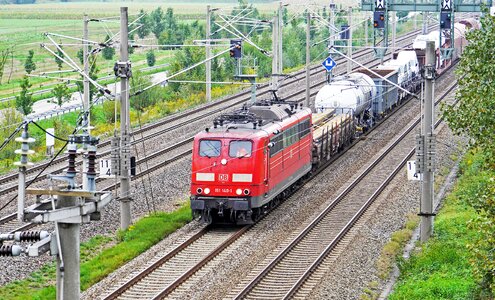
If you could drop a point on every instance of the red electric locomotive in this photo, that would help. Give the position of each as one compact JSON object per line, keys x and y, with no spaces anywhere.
{"x":248,"y":159}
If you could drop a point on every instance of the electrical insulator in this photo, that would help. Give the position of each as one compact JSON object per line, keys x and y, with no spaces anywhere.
{"x":10,"y":250}
{"x":236,"y":48}
{"x":31,"y":236}
{"x":24,"y":151}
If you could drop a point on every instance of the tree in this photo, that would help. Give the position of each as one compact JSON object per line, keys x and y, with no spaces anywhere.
{"x":145,"y":26}
{"x":157,"y":24}
{"x":145,"y":99}
{"x":24,"y":102}
{"x":474,"y":113}
{"x":401,"y":15}
{"x":61,"y":93}
{"x":4,"y":54}
{"x":473,"y":116}
{"x":108,"y":52}
{"x":93,"y":74}
{"x":58,"y":60}
{"x":29,"y":65}
{"x":80,"y":55}
{"x":150,"y":58}
{"x":9,"y":117}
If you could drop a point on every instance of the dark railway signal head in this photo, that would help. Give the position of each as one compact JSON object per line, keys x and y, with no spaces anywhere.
{"x":379,"y":19}
{"x":445,"y":20}
{"x":236,"y":48}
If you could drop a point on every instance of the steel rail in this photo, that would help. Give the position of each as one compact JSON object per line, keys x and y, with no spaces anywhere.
{"x":12,"y":177}
{"x":254,"y":282}
{"x":180,"y":116}
{"x":300,"y":282}
{"x":156,"y":265}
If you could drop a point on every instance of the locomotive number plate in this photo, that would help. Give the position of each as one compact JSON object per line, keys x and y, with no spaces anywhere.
{"x":223,"y":177}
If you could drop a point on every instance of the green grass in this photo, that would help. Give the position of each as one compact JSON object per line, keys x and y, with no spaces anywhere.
{"x":441,"y":270}
{"x":100,"y":256}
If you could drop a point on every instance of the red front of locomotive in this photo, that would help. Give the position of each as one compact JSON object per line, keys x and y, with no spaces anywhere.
{"x":228,"y":170}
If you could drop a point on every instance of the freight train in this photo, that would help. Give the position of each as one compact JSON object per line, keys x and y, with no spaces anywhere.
{"x":252,"y":158}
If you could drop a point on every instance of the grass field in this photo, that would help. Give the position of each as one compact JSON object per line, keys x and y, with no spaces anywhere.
{"x":22,"y":28}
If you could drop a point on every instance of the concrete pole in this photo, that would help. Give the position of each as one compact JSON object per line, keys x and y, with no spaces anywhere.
{"x":86,"y":65}
{"x":21,"y":193}
{"x":86,"y":94}
{"x":394,"y":31}
{"x":349,"y":53}
{"x":68,"y":275}
{"x":331,"y":26}
{"x":366,"y":29}
{"x":125,"y":126}
{"x":208,"y":54}
{"x":308,"y":60}
{"x":280,"y":38}
{"x":425,"y":23}
{"x":427,"y":193}
{"x":416,"y":21}
{"x":275,"y":54}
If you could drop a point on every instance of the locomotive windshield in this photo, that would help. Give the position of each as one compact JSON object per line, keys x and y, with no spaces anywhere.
{"x":240,"y":148}
{"x":209,"y":148}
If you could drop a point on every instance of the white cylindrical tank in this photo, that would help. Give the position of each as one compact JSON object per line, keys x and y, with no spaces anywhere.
{"x":347,"y":94}
{"x":420,"y":40}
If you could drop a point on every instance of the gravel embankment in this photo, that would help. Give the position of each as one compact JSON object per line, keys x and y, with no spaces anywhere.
{"x":268,"y":234}
{"x":356,"y":267}
{"x":171,"y":184}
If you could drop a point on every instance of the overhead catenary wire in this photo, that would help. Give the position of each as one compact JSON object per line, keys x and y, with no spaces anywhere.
{"x":12,"y":135}
{"x":182,"y":71}
{"x":375,"y":73}
{"x":147,"y":167}
{"x":49,"y":133}
{"x":41,"y":171}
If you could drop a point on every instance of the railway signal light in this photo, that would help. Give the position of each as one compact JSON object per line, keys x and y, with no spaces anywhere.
{"x":344,"y":32}
{"x":235,"y":48}
{"x":379,"y":19}
{"x":445,"y":20}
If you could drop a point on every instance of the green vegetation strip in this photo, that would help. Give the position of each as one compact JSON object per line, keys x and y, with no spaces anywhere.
{"x":441,"y":269}
{"x":102,"y":255}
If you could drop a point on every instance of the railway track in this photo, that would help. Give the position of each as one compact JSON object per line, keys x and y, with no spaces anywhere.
{"x":8,"y":181}
{"x":328,"y":229}
{"x":191,"y":256}
{"x":9,"y":223}
{"x":292,"y":273}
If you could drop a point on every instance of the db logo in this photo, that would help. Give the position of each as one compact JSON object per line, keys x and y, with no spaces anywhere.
{"x":223,"y":177}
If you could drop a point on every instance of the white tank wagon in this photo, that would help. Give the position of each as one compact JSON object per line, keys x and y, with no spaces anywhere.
{"x":349,"y":94}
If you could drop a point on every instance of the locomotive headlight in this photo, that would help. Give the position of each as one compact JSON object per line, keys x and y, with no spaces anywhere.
{"x":223,"y":161}
{"x":246,"y":192}
{"x":207,"y":191}
{"x":199,"y":190}
{"x":238,"y":192}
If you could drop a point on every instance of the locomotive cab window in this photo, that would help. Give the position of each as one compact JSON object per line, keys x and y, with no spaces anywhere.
{"x":209,"y":148}
{"x":240,"y":148}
